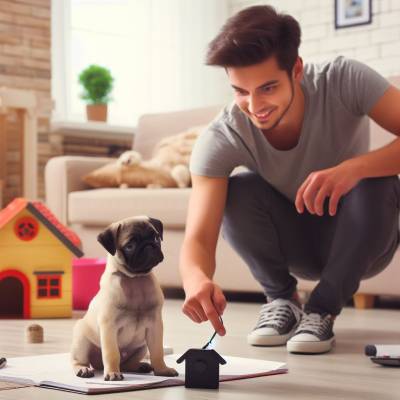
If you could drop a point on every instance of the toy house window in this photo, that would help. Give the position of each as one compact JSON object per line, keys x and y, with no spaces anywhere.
{"x":48,"y":287}
{"x":26,"y":228}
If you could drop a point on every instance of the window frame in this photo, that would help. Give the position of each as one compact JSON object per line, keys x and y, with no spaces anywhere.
{"x":48,"y":286}
{"x":60,"y":58}
{"x":192,"y":93}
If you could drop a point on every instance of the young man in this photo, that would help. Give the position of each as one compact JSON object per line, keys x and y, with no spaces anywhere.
{"x":315,"y":202}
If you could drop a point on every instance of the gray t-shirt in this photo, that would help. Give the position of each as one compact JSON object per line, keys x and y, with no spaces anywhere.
{"x":338,"y":96}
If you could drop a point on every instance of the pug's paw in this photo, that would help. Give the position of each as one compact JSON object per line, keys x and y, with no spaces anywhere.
{"x":166,"y":372}
{"x":144,"y":368}
{"x":113,"y":376}
{"x":85,"y":372}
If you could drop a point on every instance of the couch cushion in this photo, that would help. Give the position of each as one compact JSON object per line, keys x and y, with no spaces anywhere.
{"x":154,"y":127}
{"x":104,"y":206}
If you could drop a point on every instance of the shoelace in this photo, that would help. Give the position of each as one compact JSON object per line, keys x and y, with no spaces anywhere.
{"x":314,"y":322}
{"x":277,"y":313}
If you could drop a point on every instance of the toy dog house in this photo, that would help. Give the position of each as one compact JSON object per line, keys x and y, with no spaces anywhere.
{"x":201,"y":368}
{"x":36,"y":262}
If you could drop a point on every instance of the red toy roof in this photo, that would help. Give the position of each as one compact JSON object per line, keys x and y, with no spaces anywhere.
{"x":42,"y":213}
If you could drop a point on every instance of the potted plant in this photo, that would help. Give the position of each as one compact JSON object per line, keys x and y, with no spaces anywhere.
{"x":97,"y":83}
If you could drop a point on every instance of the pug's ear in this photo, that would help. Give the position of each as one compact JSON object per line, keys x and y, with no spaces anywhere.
{"x":108,"y":238}
{"x":158,"y":226}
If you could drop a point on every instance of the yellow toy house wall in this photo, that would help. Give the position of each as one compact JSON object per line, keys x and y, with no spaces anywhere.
{"x":42,"y":254}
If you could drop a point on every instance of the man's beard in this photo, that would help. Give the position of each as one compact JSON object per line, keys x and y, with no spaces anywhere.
{"x":283,"y":113}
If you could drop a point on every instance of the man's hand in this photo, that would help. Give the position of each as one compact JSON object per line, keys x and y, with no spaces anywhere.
{"x":332,"y":182}
{"x":205,"y":301}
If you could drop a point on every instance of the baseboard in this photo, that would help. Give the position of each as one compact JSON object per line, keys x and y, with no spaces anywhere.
{"x":230,"y":295}
{"x":383,"y":302}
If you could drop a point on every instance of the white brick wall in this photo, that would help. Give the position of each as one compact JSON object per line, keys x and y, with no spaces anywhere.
{"x":377,"y":44}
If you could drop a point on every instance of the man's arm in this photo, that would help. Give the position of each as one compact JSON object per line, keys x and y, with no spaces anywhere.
{"x":386,"y":160}
{"x":204,"y":299}
{"x":337,"y":181}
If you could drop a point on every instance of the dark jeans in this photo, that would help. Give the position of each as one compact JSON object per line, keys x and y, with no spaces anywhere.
{"x":277,"y":243}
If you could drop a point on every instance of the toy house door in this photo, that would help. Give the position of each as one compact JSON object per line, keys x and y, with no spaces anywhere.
{"x":14,"y":295}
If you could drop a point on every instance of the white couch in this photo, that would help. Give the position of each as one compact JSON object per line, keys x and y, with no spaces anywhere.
{"x":88,"y":211}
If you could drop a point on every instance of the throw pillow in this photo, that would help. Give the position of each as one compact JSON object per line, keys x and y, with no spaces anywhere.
{"x":169,"y":166}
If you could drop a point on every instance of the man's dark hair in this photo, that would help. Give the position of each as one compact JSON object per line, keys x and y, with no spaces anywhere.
{"x":253,"y":35}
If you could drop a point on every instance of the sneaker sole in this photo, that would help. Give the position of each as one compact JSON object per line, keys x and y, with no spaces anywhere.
{"x":310,"y":347}
{"x":269,"y":340}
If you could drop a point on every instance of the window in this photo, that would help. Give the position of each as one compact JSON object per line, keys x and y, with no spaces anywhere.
{"x":48,"y":286}
{"x":26,"y":228}
{"x":152,"y":47}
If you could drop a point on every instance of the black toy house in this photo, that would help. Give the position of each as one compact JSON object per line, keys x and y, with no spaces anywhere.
{"x":201,"y":368}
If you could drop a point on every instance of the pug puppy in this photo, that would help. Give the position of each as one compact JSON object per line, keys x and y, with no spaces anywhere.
{"x":124,"y":318}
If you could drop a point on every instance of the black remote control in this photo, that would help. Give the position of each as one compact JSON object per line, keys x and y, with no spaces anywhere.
{"x":387,"y":361}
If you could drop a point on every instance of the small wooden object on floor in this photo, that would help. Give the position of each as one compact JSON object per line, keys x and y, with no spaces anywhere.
{"x":34,"y":334}
{"x":363,"y":301}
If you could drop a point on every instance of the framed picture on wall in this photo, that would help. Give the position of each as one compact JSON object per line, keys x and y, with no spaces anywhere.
{"x":352,"y":13}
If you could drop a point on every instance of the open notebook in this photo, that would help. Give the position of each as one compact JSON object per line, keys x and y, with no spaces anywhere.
{"x":54,"y":371}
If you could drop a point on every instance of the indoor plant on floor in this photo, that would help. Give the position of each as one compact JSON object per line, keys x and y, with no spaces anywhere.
{"x":97,"y":83}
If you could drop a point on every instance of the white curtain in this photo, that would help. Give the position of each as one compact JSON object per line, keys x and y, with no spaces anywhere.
{"x":155,"y":50}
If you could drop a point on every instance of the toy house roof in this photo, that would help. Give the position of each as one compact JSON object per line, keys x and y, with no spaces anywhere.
{"x":47,"y":218}
{"x":196,"y":354}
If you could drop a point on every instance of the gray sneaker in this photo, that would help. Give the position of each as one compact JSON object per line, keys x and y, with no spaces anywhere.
{"x":277,"y":323}
{"x":314,"y":335}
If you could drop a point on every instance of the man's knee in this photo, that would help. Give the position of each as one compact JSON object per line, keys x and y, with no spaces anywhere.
{"x":373,"y":203}
{"x":243,"y":199}
{"x":243,"y":190}
{"x":375,"y":194}
{"x":371,"y":212}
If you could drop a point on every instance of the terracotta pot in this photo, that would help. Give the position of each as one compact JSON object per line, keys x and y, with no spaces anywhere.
{"x":96,"y":112}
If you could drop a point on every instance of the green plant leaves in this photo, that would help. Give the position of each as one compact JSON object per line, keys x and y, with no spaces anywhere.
{"x":97,"y":82}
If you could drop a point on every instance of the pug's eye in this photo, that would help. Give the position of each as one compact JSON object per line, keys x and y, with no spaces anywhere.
{"x":129,"y":247}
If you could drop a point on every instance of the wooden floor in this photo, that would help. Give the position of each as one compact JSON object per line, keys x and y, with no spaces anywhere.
{"x":344,"y":373}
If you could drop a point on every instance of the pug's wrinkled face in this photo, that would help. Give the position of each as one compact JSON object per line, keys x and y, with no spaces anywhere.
{"x":136,"y":242}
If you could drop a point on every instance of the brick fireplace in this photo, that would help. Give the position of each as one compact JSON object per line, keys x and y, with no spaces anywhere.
{"x":25,"y":64}
{"x":18,"y":144}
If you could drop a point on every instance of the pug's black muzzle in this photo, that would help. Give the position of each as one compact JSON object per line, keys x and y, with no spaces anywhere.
{"x":145,"y":257}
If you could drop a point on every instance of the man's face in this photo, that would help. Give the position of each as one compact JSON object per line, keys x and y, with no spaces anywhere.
{"x":264,"y":92}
